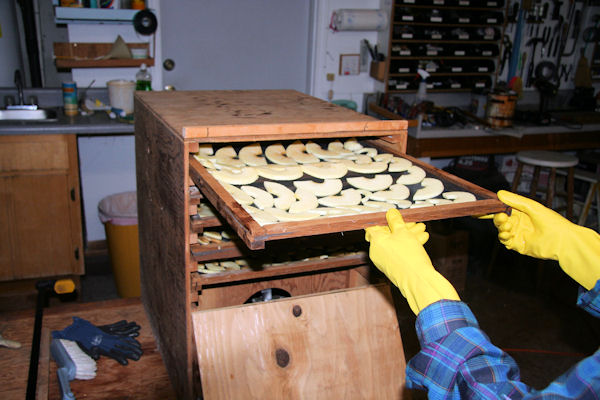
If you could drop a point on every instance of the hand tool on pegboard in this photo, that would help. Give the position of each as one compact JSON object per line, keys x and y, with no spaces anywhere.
{"x":533,"y":42}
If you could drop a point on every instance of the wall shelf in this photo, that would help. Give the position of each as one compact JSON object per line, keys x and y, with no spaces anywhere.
{"x":86,"y":55}
{"x":69,"y":15}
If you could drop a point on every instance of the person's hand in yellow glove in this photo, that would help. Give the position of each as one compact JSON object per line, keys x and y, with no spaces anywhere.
{"x":537,"y":231}
{"x":397,"y":250}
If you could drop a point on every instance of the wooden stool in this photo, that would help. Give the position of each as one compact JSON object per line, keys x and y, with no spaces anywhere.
{"x":593,"y":193}
{"x":547,"y":159}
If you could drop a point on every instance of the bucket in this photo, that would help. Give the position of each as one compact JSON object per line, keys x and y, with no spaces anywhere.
{"x":118,"y":212}
{"x":120,"y":94}
{"x":501,"y":109}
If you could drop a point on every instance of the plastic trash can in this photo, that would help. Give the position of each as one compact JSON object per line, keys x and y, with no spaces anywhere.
{"x":118,"y":213}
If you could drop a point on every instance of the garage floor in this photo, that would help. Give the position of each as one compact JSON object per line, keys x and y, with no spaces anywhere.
{"x":534,"y":318}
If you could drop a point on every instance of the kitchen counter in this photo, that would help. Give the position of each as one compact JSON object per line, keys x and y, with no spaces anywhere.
{"x":98,"y":123}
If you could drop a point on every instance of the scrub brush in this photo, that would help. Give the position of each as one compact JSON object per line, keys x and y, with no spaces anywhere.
{"x":73,"y":363}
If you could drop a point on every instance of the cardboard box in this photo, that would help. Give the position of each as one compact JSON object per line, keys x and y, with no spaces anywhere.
{"x":449,"y":253}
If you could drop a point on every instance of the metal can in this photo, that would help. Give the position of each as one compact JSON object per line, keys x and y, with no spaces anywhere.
{"x":69,"y":90}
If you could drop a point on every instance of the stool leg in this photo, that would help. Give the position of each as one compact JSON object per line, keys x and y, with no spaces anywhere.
{"x":517,"y":177}
{"x":570,"y":189}
{"x":587,"y":204}
{"x":550,"y":189}
{"x":534,"y":182}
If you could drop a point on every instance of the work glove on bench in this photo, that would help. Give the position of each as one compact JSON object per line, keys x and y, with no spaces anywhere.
{"x":397,"y":250}
{"x":97,"y":342}
{"x":537,"y":231}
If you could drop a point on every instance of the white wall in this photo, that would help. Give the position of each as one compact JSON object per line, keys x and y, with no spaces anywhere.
{"x":329,"y":45}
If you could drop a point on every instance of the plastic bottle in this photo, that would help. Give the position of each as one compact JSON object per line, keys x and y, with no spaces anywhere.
{"x":143,"y":79}
{"x":421,"y":95}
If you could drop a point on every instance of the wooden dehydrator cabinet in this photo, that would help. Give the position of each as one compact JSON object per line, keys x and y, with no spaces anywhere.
{"x":335,"y":333}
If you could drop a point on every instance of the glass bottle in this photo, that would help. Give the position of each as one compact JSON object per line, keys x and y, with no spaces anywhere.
{"x":143,"y":79}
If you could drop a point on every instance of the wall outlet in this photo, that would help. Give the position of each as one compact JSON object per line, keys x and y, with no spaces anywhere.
{"x":330,"y":77}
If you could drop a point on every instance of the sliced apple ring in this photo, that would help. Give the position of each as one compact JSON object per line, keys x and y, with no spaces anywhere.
{"x":262,"y":199}
{"x":431,"y":187}
{"x":396,"y":193}
{"x":362,"y":159}
{"x":242,"y":176}
{"x":378,"y":182}
{"x":276,"y":154}
{"x":328,"y":187}
{"x":285,"y":216}
{"x":316,"y":150}
{"x":379,"y":205}
{"x":332,"y":211}
{"x":366,"y":195}
{"x":206,"y":148}
{"x":337,"y":146}
{"x":347,"y":197}
{"x":227,"y":156}
{"x":238,"y":194}
{"x":365,"y":168}
{"x":352,"y":145}
{"x":306,"y":200}
{"x":278,"y":172}
{"x":383,"y":157}
{"x":252,"y":155}
{"x":459,"y":196}
{"x":284,"y":196}
{"x":440,"y":202}
{"x":414,"y":175}
{"x":421,"y":204}
{"x":370,"y":151}
{"x":297,"y":152}
{"x":398,"y":164}
{"x":325,"y":170}
{"x":261,"y":217}
{"x":207,"y":161}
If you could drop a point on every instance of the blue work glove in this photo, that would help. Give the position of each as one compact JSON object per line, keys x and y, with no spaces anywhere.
{"x":96,"y":342}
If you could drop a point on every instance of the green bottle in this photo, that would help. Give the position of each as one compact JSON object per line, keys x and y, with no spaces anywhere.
{"x":143,"y":79}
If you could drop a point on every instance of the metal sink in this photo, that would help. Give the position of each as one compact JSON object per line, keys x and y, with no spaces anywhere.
{"x":40,"y":114}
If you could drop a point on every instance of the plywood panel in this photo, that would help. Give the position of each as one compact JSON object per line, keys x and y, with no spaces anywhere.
{"x":250,"y":114}
{"x":340,"y":345}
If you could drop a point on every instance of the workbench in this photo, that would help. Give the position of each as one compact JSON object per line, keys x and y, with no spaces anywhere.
{"x":146,"y":378}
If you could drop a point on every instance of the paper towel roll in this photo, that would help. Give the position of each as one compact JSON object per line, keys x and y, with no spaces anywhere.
{"x":359,"y":20}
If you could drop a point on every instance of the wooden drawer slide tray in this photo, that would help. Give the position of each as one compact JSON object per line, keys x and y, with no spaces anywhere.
{"x":255,"y":233}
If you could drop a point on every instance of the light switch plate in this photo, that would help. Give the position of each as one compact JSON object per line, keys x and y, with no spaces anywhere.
{"x":349,"y":64}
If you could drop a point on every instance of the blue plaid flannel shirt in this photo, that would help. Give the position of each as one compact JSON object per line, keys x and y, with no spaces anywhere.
{"x":457,"y":359}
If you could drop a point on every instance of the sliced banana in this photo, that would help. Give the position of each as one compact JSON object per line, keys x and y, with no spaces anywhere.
{"x":459,"y":196}
{"x":242,"y":176}
{"x":325,"y":170}
{"x":413,"y":176}
{"x":297,"y":152}
{"x":262,"y":199}
{"x":238,"y":194}
{"x":378,"y":182}
{"x":276,"y":154}
{"x":285,"y":216}
{"x":328,"y":187}
{"x":261,"y":217}
{"x":252,"y":155}
{"x":365,"y":168}
{"x":398,"y":164}
{"x":352,"y":145}
{"x":227,"y":156}
{"x":431,"y":187}
{"x":306,"y":201}
{"x":316,"y":150}
{"x":278,"y":172}
{"x":347,"y":197}
{"x":285,"y":197}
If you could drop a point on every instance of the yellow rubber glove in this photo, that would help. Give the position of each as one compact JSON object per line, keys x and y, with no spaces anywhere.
{"x":397,"y":250}
{"x":537,"y":231}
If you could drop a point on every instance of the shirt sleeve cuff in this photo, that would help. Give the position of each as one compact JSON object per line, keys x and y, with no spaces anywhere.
{"x":589,"y":300}
{"x":441,"y":318}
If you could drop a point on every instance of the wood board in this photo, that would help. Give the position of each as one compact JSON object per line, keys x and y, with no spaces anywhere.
{"x":255,"y":235}
{"x":279,"y":349}
{"x":241,"y":115}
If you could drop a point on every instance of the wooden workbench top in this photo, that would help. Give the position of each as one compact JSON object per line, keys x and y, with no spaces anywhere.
{"x":215,"y":114}
{"x":146,"y":378}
